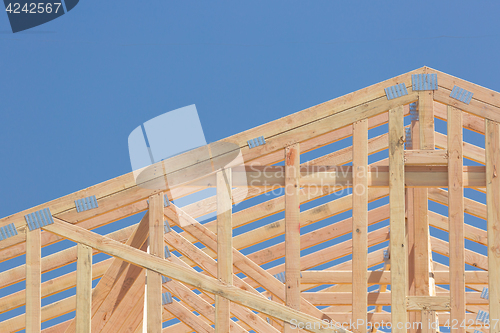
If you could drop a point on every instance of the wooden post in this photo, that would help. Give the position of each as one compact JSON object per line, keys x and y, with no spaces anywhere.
{"x":421,"y":246}
{"x":456,"y":219}
{"x":493,"y":212}
{"x":397,"y":219}
{"x":413,"y":316}
{"x":426,"y":119}
{"x":33,"y":281}
{"x":154,"y":287}
{"x":83,"y":288}
{"x":224,"y":248}
{"x":360,"y":226}
{"x":292,"y":229}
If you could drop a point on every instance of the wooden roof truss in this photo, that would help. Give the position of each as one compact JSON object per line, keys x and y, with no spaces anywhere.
{"x":375,"y":264}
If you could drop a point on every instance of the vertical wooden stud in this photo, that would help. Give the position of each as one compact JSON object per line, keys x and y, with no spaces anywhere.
{"x":493,"y":214}
{"x":360,"y":226}
{"x":224,"y":247}
{"x":33,"y":281}
{"x":426,"y":119}
{"x":456,"y":219}
{"x":397,"y":219}
{"x":421,"y":246}
{"x":83,"y":288}
{"x":156,"y":248}
{"x":413,"y":316}
{"x":292,"y":228}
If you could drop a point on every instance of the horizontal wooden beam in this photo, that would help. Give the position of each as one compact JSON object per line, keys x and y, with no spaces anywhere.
{"x":426,"y":157}
{"x":428,"y":303}
{"x":383,"y":277}
{"x":375,"y":298}
{"x":341,"y":176}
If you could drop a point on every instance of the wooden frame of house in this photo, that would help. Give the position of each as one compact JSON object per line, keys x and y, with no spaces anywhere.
{"x":233,"y":292}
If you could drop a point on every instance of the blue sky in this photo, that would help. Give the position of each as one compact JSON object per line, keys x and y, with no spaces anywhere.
{"x":73,"y":89}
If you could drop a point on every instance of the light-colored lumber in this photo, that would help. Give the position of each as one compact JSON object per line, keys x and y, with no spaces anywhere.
{"x":472,"y":233}
{"x":383,"y":277}
{"x":492,"y":147}
{"x":471,"y":258}
{"x":125,"y":304}
{"x":52,"y":286}
{"x":248,"y":267}
{"x":224,"y":248}
{"x":55,"y":260}
{"x":334,"y":107}
{"x":8,"y":250}
{"x":411,"y":146}
{"x":335,"y":251}
{"x":107,"y":294}
{"x":33,"y":281}
{"x":426,"y":176}
{"x":470,"y":151}
{"x":426,"y":157}
{"x":83,"y":288}
{"x":48,"y":312}
{"x":161,"y":266}
{"x":307,"y":217}
{"x":135,"y":321}
{"x":426,"y":119}
{"x":360,"y":224}
{"x":456,"y":216}
{"x":470,"y":121}
{"x":118,"y":299}
{"x":375,"y":298}
{"x":397,"y":217}
{"x":12,"y":247}
{"x":476,"y":107}
{"x":378,"y":317}
{"x":428,"y":303}
{"x":318,"y":236}
{"x":292,"y":229}
{"x":277,"y":205}
{"x":421,"y":247}
{"x":209,"y":265}
{"x":188,"y":318}
{"x":57,"y":328}
{"x":480,"y":93}
{"x":471,"y":207}
{"x":153,"y":279}
{"x":203,"y":304}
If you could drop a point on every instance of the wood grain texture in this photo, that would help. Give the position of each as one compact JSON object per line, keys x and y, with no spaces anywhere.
{"x":456,"y":216}
{"x":83,"y":289}
{"x":292,"y":229}
{"x":360,"y":224}
{"x":224,"y":248}
{"x":154,"y":288}
{"x":493,"y":214}
{"x":211,"y":285}
{"x":397,"y":219}
{"x":422,"y":250}
{"x":33,"y":281}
